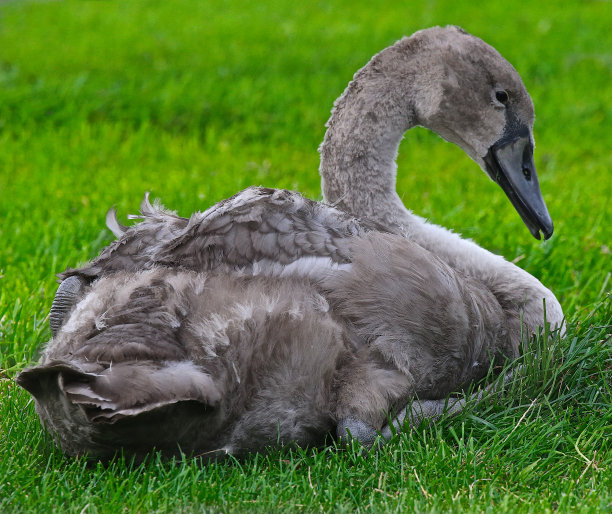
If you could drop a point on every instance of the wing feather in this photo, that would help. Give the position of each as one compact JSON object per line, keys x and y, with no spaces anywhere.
{"x":254,"y":226}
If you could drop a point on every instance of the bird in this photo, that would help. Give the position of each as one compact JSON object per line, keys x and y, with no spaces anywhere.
{"x":267,"y":320}
{"x":271,"y":319}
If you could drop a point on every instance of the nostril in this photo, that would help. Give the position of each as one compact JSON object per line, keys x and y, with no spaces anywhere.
{"x":527,"y":173}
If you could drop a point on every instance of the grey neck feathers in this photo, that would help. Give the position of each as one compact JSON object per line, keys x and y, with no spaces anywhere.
{"x":358,"y":154}
{"x":358,"y":157}
{"x":358,"y":170}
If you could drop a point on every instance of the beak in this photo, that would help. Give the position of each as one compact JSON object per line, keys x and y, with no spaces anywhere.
{"x":509,"y":163}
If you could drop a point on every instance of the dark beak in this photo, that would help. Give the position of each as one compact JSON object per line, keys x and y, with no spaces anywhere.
{"x":509,"y":162}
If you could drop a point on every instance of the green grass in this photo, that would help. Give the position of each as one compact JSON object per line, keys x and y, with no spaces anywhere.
{"x":101,"y":101}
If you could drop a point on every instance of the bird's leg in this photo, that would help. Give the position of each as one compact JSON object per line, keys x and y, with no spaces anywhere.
{"x":429,"y":410}
{"x":354,"y":428}
{"x":368,"y":387}
{"x":418,"y":411}
{"x":69,"y":292}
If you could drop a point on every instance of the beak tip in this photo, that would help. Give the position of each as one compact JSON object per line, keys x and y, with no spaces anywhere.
{"x":547,"y":227}
{"x":546,"y":230}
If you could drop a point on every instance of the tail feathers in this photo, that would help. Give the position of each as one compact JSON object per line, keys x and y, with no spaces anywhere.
{"x":40,"y":380}
{"x":83,"y":394}
{"x":145,"y":206}
{"x":119,"y":391}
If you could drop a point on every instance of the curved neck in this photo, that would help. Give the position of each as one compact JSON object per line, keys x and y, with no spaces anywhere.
{"x":358,"y":168}
{"x":358,"y":153}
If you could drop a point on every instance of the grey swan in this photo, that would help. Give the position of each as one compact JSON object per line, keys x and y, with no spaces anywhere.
{"x":268,"y":319}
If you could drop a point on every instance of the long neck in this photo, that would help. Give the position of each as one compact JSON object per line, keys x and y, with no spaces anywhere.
{"x":358,"y":154}
{"x":358,"y":174}
{"x":358,"y":168}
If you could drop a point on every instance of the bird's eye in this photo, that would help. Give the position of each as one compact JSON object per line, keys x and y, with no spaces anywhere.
{"x":502,"y":96}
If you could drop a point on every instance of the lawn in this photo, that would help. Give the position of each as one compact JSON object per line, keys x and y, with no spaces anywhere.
{"x":193,"y":101}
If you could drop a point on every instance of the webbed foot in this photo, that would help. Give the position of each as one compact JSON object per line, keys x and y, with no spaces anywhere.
{"x":354,"y":428}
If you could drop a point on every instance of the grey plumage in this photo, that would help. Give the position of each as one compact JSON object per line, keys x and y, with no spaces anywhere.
{"x":270,"y":319}
{"x":257,"y":225}
{"x":216,"y":358}
{"x":210,"y":363}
